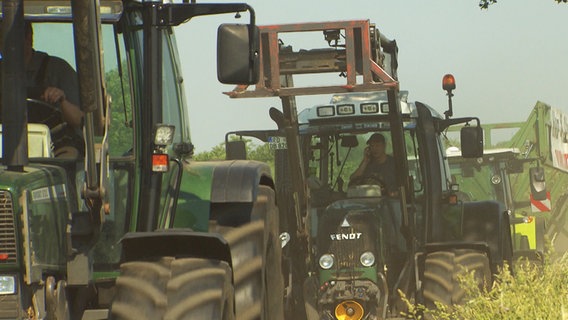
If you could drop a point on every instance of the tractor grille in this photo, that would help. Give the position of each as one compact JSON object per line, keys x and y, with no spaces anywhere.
{"x":347,"y":234}
{"x":364,"y":238}
{"x":347,"y":253}
{"x":7,"y":229}
{"x":10,"y":306}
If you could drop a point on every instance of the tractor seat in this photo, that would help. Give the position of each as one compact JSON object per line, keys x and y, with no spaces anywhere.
{"x":39,"y":141}
{"x":364,"y":191}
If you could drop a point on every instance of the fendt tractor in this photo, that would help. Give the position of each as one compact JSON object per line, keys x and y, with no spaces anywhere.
{"x":536,"y":189}
{"x":350,"y":247}
{"x":108,"y":234}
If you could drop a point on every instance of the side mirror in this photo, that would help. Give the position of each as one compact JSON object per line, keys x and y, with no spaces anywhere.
{"x":471,"y":142}
{"x":235,"y":150}
{"x":349,"y":141}
{"x":538,"y":183}
{"x":238,"y":54}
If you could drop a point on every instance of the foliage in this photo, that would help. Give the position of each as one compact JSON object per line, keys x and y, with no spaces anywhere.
{"x":121,"y":135}
{"x":261,"y":153}
{"x":216,"y":153}
{"x":484,"y":4}
{"x":536,"y":290}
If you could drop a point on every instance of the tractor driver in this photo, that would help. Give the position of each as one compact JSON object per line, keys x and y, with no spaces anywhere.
{"x":376,"y":165}
{"x":53,"y":87}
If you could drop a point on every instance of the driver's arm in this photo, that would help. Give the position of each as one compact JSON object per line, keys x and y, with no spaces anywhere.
{"x":72,"y":114}
{"x":361,"y":169}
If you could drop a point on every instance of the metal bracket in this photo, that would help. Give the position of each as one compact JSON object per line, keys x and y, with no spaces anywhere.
{"x":352,"y":59}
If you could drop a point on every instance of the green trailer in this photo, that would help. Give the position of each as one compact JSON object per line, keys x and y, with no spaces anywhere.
{"x":534,"y":183}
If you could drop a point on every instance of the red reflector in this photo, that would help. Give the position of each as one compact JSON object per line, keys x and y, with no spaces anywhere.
{"x":160,"y":162}
{"x":453,"y":199}
{"x":4,"y":256}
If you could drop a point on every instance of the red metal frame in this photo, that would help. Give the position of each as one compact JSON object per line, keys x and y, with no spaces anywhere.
{"x":270,"y":84}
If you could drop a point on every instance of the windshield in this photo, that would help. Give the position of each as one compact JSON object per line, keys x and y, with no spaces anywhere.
{"x":480,"y":180}
{"x":52,"y":64}
{"x":335,"y":156}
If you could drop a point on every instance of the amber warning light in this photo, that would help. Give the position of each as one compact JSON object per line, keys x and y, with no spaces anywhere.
{"x":448,"y":82}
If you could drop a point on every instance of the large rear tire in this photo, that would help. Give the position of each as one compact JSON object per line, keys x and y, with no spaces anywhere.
{"x":169,"y":288}
{"x":256,"y":255}
{"x":441,"y":272}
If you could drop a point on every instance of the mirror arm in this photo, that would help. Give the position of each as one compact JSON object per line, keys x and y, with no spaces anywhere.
{"x":174,"y":14}
{"x":445,"y":123}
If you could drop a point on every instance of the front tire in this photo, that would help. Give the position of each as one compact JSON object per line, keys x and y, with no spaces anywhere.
{"x":169,"y":288}
{"x":256,"y":256}
{"x":441,"y":275}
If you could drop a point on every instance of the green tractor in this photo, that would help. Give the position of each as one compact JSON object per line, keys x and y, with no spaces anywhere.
{"x":354,"y":247}
{"x":528,"y":172}
{"x":132,"y":228}
{"x":492,"y":177}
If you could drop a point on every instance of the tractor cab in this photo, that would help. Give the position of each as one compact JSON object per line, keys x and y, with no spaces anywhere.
{"x":355,"y":222}
{"x":336,"y":137}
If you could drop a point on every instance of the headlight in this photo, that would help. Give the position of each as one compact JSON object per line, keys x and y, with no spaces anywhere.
{"x":325,"y":111}
{"x":496,"y":179}
{"x":367,"y":259}
{"x":7,"y":285}
{"x":326,"y":261}
{"x":163,"y":134}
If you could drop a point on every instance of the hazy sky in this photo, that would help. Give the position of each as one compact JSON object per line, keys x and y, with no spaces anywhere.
{"x":504,"y":59}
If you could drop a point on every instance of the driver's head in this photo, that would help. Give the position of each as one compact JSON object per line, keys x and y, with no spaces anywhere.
{"x":377,"y":145}
{"x":28,"y":42}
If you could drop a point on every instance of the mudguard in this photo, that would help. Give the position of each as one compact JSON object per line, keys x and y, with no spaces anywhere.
{"x":238,"y":180}
{"x":213,"y":188}
{"x":483,"y":226}
{"x":227,"y":181}
{"x":488,"y":221}
{"x":138,"y":246}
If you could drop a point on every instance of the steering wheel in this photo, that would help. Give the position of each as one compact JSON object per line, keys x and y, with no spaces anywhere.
{"x":373,"y":179}
{"x":46,"y":113}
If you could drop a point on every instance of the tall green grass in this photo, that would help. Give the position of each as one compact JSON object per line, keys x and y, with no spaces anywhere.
{"x":531,"y":291}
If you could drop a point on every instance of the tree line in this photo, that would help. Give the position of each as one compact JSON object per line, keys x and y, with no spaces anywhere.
{"x":484,"y":4}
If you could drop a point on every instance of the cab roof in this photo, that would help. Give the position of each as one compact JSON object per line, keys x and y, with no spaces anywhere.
{"x":60,"y":10}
